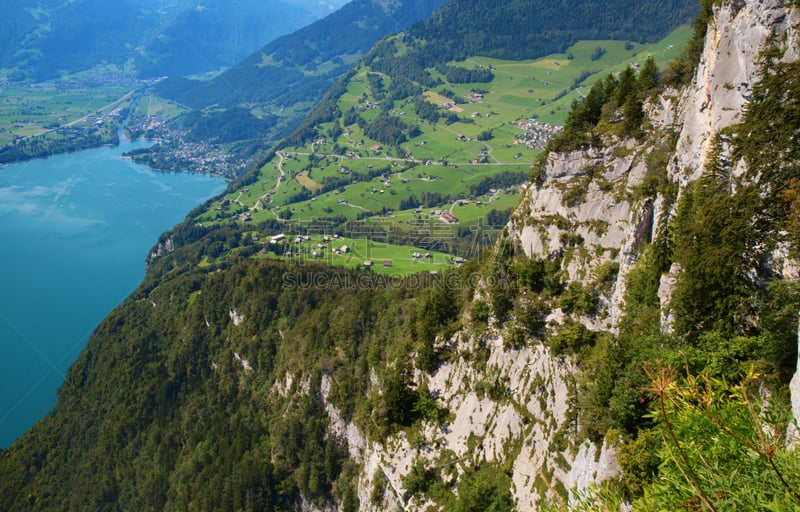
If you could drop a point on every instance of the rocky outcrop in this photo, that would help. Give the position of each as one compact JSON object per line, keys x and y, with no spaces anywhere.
{"x":665,"y":289}
{"x":514,"y":405}
{"x":586,"y":206}
{"x":728,"y":70}
{"x":163,"y":247}
{"x":590,"y":211}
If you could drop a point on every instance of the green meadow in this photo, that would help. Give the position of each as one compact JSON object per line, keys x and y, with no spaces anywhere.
{"x":151,"y":105}
{"x":38,"y":108}
{"x":534,"y":87}
{"x":344,"y":175}
{"x":362,"y":253}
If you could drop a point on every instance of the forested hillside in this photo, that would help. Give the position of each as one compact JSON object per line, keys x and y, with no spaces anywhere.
{"x":144,"y":38}
{"x":183,"y":380}
{"x":299,"y":67}
{"x":525,"y":29}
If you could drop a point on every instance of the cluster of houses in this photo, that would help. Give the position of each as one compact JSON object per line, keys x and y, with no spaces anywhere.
{"x":368,"y":105}
{"x":172,"y":151}
{"x":330,"y":244}
{"x":536,"y":134}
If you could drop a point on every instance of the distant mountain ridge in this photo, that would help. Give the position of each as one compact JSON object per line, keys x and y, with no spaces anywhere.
{"x":301,"y":66}
{"x":147,"y":38}
{"x":527,"y":29}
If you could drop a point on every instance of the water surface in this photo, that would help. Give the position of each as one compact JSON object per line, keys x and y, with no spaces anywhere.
{"x":75,"y":231}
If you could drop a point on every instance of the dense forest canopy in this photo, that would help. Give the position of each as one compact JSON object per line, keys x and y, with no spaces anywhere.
{"x":526,"y":29}
{"x":171,"y":369}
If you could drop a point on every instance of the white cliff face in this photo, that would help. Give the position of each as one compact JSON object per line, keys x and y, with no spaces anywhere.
{"x":586,"y":209}
{"x":607,"y":224}
{"x":162,"y":248}
{"x":526,"y":422}
{"x":665,"y":288}
{"x":607,"y":220}
{"x":728,"y":70}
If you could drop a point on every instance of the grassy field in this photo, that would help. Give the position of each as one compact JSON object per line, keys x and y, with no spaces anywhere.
{"x":305,"y":180}
{"x":151,"y":105}
{"x":443,"y":158}
{"x":355,"y":177}
{"x":380,"y":257}
{"x":35,"y":109}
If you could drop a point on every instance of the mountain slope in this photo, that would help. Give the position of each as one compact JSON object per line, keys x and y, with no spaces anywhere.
{"x":526,"y":30}
{"x":293,"y":72}
{"x":300,"y":66}
{"x":283,"y":80}
{"x":656,"y":237}
{"x":44,"y":39}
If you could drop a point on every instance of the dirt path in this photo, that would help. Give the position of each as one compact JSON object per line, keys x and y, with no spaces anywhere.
{"x":274,"y":189}
{"x":283,"y":174}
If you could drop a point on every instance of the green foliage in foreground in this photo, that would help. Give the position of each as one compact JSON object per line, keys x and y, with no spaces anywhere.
{"x":723,"y":446}
{"x":716,"y":445}
{"x":713,"y":438}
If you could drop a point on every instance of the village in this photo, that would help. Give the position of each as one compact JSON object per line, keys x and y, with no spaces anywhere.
{"x":536,"y":134}
{"x":172,"y":153}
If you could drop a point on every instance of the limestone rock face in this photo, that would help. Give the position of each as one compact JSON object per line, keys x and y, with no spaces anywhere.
{"x":665,"y":288}
{"x":162,"y":248}
{"x":588,"y":207}
{"x":523,"y":422}
{"x":729,"y":67}
{"x":794,"y":388}
{"x":589,"y":210}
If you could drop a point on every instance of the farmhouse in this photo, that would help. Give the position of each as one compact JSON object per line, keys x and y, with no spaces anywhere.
{"x":448,"y":218}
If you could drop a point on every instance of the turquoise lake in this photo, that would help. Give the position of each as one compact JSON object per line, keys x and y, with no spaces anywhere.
{"x":75,"y":232}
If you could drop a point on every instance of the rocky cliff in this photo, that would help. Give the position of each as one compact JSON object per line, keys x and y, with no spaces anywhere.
{"x":519,"y":382}
{"x":592,"y":209}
